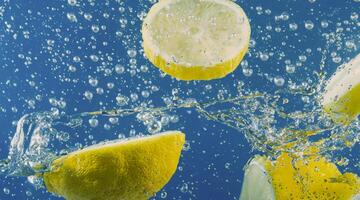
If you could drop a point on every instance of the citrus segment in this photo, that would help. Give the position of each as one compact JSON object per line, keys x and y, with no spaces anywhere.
{"x":310,"y":178}
{"x":133,"y":169}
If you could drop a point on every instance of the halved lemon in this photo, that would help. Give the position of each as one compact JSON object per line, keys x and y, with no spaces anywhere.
{"x":133,"y":169}
{"x":341,"y":98}
{"x":196,"y":39}
{"x":311,"y":178}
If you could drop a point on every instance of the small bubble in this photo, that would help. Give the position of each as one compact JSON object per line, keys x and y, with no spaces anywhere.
{"x":247,"y":71}
{"x":107,"y":127}
{"x":119,"y":69}
{"x":113,"y":120}
{"x":324,"y":24}
{"x":6,"y":190}
{"x":131,"y":53}
{"x":72,"y":68}
{"x":122,"y":100}
{"x":354,"y":16}
{"x":290,"y":68}
{"x":227,"y":165}
{"x":94,"y":58}
{"x":302,"y":58}
{"x":93,"y":122}
{"x":184,"y":188}
{"x":28,"y":193}
{"x":279,"y":81}
{"x":309,"y":25}
{"x":336,"y":59}
{"x":88,"y":16}
{"x":71,"y":17}
{"x":76,"y":59}
{"x":163,"y":195}
{"x":95,"y":28}
{"x":154,"y":127}
{"x":93,"y":82}
{"x":99,"y":91}
{"x":72,"y":2}
{"x":88,"y":95}
{"x":293,"y":26}
{"x":174,"y":119}
{"x":264,"y":56}
{"x":110,"y":85}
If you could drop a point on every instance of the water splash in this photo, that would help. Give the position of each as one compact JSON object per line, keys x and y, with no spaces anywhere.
{"x":257,"y":115}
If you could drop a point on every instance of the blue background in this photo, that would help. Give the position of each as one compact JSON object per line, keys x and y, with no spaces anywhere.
{"x":212,"y":167}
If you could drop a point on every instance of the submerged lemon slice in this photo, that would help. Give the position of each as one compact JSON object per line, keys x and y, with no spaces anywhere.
{"x":311,"y":178}
{"x":196,"y":39}
{"x":134,"y":169}
{"x":342,"y":93}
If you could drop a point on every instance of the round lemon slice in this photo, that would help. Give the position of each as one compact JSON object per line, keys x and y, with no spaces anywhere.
{"x":342,"y":93}
{"x":196,"y":39}
{"x":311,"y":178}
{"x":133,"y":169}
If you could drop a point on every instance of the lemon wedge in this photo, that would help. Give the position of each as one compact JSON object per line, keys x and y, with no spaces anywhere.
{"x":133,"y":169}
{"x":311,"y":178}
{"x":341,"y":98}
{"x":196,"y":39}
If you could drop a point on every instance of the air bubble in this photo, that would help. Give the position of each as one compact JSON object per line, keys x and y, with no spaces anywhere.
{"x":72,"y":2}
{"x":279,"y":81}
{"x":93,"y":122}
{"x":88,"y":95}
{"x":119,"y":69}
{"x":309,"y":25}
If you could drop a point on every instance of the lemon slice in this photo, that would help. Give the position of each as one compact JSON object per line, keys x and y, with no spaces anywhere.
{"x":133,"y":169}
{"x":196,"y":39}
{"x":342,"y":93}
{"x":311,"y":178}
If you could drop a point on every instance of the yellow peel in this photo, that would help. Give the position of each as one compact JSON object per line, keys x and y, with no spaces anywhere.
{"x":308,"y":178}
{"x":134,"y":169}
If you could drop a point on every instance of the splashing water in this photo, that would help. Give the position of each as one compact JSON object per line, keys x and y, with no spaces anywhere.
{"x":257,"y":115}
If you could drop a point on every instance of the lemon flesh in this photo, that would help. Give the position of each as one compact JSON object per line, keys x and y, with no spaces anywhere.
{"x":196,"y":39}
{"x":133,"y":169}
{"x":311,"y":178}
{"x":342,"y":93}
